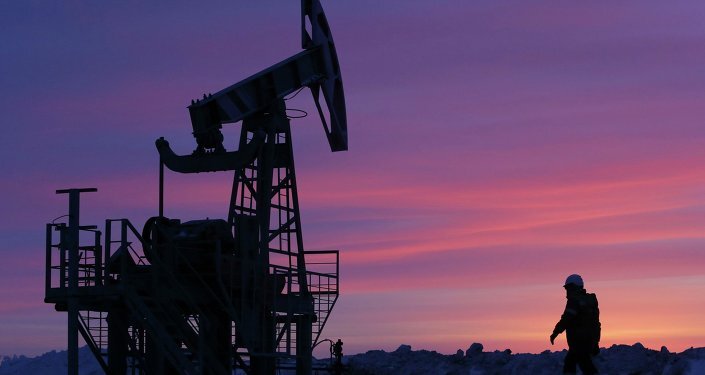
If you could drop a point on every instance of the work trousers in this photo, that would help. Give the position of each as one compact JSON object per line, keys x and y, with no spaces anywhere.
{"x":579,"y":356}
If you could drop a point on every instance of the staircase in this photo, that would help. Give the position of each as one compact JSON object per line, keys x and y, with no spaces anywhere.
{"x":322,"y":274}
{"x":160,"y":308}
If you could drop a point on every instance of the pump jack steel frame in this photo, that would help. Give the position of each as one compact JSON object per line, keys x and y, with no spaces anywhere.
{"x":212,"y":296}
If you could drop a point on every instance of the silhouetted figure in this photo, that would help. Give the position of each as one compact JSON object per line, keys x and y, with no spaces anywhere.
{"x":581,"y":321}
{"x":337,"y":351}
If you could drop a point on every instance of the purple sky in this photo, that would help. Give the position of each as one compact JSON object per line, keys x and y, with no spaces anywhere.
{"x":495,"y":147}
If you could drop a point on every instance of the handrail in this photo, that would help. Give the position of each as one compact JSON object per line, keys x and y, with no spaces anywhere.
{"x":92,"y":345}
{"x":92,"y":267}
{"x":186,"y":328}
{"x":184,"y":365}
{"x":174,"y":282}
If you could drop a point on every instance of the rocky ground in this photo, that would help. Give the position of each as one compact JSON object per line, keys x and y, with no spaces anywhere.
{"x":615,"y":360}
{"x":618,"y":360}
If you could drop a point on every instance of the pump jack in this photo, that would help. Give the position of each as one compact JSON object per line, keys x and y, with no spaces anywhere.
{"x":213,"y":296}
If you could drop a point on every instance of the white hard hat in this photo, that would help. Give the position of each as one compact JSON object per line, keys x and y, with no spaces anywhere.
{"x":574,"y":279}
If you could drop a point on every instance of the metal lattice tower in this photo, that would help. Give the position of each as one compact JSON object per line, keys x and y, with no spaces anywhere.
{"x":212,"y":296}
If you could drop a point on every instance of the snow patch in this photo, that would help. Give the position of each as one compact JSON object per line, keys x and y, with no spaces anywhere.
{"x":615,"y":360}
{"x":697,"y":367}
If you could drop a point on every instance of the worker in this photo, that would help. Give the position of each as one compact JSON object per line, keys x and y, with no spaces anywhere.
{"x":581,"y":321}
{"x":337,"y":350}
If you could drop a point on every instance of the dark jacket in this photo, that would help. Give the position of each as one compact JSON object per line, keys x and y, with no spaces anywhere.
{"x":580,"y":319}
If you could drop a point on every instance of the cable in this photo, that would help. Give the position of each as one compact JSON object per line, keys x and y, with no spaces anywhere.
{"x":54,"y":221}
{"x":294,"y":94}
{"x":301,"y":111}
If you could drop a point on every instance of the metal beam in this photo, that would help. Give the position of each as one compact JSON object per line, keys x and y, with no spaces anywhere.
{"x":70,"y":246}
{"x":253,"y":95}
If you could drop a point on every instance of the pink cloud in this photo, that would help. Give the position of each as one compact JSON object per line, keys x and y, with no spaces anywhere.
{"x":493,"y":149}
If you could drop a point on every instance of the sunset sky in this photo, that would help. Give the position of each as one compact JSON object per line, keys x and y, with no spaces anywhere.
{"x":495,"y":147}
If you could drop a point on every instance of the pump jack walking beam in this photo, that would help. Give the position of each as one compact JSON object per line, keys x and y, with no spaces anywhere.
{"x":315,"y":67}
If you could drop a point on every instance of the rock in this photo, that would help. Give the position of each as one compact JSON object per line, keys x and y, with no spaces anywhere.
{"x":403,"y":349}
{"x":474,"y":349}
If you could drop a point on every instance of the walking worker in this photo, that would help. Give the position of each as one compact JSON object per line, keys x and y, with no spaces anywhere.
{"x":581,"y":321}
